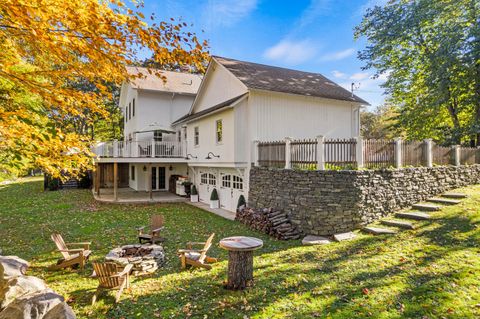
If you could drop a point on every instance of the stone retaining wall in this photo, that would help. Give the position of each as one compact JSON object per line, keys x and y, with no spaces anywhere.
{"x":329,"y":202}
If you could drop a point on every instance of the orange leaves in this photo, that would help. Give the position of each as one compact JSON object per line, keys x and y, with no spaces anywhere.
{"x":57,"y":43}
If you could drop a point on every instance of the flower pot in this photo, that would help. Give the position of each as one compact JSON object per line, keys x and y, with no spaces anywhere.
{"x":214,"y":204}
{"x":194,"y":198}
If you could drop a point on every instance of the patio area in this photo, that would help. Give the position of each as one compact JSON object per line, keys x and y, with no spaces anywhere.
{"x":128,"y":195}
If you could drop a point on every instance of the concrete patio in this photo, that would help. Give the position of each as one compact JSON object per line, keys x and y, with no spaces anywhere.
{"x":128,"y":195}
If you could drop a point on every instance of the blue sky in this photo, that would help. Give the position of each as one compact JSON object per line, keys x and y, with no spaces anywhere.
{"x":309,"y":35}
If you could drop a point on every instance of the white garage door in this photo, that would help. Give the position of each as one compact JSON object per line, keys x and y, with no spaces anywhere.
{"x":231,"y":187}
{"x":208,"y":181}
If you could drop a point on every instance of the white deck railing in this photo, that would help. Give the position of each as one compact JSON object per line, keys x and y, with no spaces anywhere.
{"x":170,"y":149}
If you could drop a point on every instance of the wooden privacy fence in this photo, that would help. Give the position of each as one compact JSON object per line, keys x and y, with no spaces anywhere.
{"x":341,"y":154}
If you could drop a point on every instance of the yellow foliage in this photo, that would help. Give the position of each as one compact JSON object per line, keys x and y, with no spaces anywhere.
{"x":46,"y":45}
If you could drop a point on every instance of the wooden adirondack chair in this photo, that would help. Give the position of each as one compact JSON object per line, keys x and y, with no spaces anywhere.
{"x":110,"y":277}
{"x":197,"y":257}
{"x":156,"y":225}
{"x":71,"y":257}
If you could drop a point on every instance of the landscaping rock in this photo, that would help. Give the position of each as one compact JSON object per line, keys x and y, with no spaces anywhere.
{"x":443,"y":201}
{"x":315,"y":240}
{"x":454,"y":195}
{"x":12,"y":266}
{"x":426,"y":207}
{"x":398,"y":223}
{"x":344,"y":236}
{"x":18,"y":287}
{"x":44,"y":304}
{"x":379,"y":231}
{"x":413,"y":215}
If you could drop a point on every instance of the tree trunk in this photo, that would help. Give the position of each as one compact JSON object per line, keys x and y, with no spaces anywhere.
{"x":240,"y":269}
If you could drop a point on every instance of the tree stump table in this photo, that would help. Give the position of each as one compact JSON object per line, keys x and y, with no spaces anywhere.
{"x":240,"y":260}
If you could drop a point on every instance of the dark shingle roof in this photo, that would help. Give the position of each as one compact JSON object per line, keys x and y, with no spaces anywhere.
{"x":272,"y":78}
{"x":217,"y":107}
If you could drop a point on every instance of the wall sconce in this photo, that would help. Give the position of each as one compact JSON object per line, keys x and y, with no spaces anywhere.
{"x":144,"y":168}
{"x":171,"y":168}
{"x":210,"y":157}
{"x":189,"y":156}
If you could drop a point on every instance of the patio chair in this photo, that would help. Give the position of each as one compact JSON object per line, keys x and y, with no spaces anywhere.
{"x":197,"y":257}
{"x":153,"y":236}
{"x":71,"y":257}
{"x":110,"y":278}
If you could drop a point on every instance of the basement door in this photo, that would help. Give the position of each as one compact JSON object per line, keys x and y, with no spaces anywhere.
{"x":158,"y":178}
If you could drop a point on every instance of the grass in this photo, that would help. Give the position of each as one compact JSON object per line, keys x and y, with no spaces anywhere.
{"x":430,"y":272}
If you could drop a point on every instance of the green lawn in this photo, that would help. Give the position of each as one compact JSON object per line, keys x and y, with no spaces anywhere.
{"x":431,"y":272}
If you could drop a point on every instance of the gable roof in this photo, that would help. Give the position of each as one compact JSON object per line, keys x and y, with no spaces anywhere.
{"x":272,"y":78}
{"x":217,"y":107}
{"x":176,"y":82}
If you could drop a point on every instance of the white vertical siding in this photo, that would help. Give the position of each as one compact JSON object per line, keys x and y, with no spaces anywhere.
{"x":219,"y":86}
{"x":275,"y":116}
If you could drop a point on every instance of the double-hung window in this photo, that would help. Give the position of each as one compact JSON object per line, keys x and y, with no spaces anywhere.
{"x":157,"y":136}
{"x":196,"y":136}
{"x":133,"y":107}
{"x":129,"y":111}
{"x":218,"y":131}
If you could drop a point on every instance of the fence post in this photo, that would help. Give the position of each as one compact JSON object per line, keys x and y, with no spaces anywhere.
{"x":288,"y":153}
{"x":429,"y":155}
{"x":115,"y":148}
{"x":456,"y":154}
{"x":359,"y":151}
{"x":321,"y":152}
{"x":398,"y":152}
{"x":256,"y":145}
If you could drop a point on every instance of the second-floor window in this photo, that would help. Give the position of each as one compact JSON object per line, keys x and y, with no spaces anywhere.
{"x":157,"y":136}
{"x":133,"y":107}
{"x":126,"y":114}
{"x":196,"y":136}
{"x":218,"y":131}
{"x":179,"y":136}
{"x":129,"y":110}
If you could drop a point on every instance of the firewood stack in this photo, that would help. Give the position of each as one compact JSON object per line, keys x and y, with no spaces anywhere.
{"x":272,"y":222}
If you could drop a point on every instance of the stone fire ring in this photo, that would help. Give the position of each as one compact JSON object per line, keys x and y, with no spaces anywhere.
{"x":146,"y":258}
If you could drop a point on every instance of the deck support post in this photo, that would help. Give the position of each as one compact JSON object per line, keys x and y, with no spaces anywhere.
{"x":288,"y":153}
{"x":359,"y":151}
{"x":398,"y":152}
{"x":96,"y":183}
{"x":149,"y":181}
{"x":320,"y":152}
{"x":115,"y":181}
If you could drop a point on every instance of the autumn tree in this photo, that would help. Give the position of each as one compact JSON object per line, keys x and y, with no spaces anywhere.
{"x":48,"y":45}
{"x":380,"y":123}
{"x":431,"y":51}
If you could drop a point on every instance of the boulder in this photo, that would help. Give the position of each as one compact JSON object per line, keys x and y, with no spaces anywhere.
{"x":12,"y":266}
{"x":44,"y":304}
{"x":18,"y":287}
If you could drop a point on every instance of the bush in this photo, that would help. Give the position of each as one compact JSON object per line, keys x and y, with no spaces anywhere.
{"x":193,"y":190}
{"x":85,"y":181}
{"x":241,"y":201}
{"x":214,"y":195}
{"x":54,"y":184}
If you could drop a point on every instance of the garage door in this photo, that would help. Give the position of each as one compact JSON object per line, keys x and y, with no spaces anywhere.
{"x":231,"y":187}
{"x":208,"y":182}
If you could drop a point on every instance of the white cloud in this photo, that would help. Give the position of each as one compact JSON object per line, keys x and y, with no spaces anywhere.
{"x":339,"y":55}
{"x":315,"y":9}
{"x":338,"y":74}
{"x":359,"y":76}
{"x":227,"y":12}
{"x":291,"y":52}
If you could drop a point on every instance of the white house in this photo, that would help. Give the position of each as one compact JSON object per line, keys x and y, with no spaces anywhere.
{"x":237,"y":103}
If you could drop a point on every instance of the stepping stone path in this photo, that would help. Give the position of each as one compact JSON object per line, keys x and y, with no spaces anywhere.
{"x":315,"y":240}
{"x":398,"y":223}
{"x":344,"y":236}
{"x":454,"y":195}
{"x":443,"y":201}
{"x":426,"y":207}
{"x":413,"y":215}
{"x":379,"y":231}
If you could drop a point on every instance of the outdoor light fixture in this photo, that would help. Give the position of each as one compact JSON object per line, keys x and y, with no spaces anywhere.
{"x":209,"y":157}
{"x":144,"y":168}
{"x":170,"y":168}
{"x":189,"y":156}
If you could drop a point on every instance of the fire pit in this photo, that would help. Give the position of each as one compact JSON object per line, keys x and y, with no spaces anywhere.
{"x":145,"y":258}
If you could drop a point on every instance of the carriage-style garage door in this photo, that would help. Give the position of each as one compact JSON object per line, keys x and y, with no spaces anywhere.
{"x":231,"y":187}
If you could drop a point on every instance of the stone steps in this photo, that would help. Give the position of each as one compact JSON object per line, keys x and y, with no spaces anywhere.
{"x":426,"y":207}
{"x":443,"y":201}
{"x":454,"y":195}
{"x":344,"y":236}
{"x":413,"y":215}
{"x":398,"y":223}
{"x":379,"y":231}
